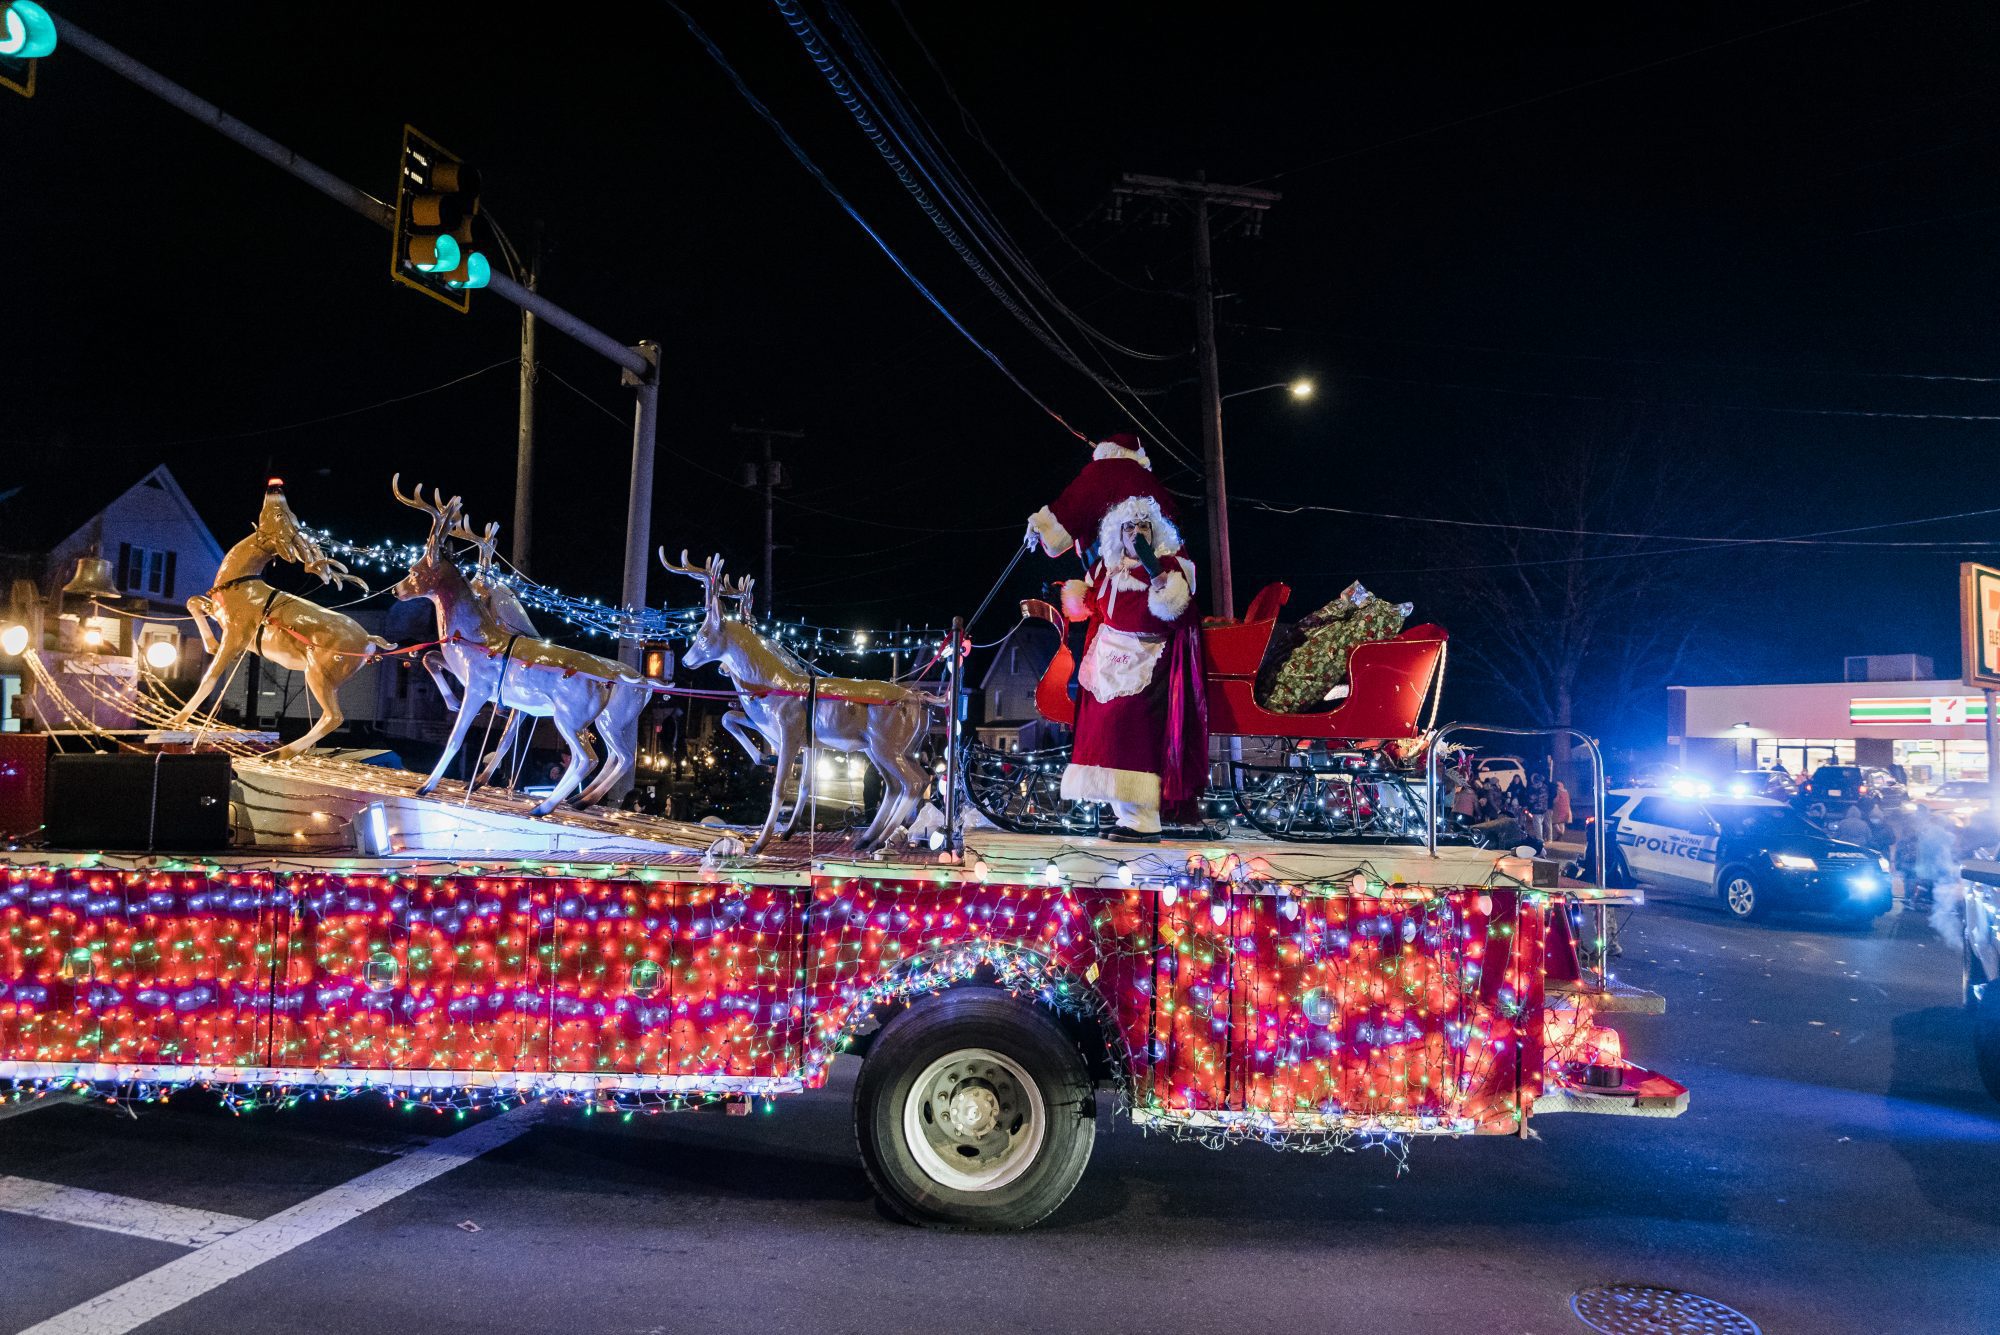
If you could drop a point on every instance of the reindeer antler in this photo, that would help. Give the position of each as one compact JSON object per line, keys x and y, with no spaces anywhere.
{"x":444,"y":514}
{"x":485,"y":542}
{"x":688,"y":568}
{"x":740,"y":590}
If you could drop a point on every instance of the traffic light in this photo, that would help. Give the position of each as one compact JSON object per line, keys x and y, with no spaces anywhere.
{"x":437,"y":197}
{"x":27,"y":33}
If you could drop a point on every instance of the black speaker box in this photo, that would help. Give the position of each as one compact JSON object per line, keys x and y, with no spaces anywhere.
{"x":173,"y":803}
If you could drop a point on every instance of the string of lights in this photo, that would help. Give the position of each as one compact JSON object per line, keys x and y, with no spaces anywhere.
{"x":613,"y":621}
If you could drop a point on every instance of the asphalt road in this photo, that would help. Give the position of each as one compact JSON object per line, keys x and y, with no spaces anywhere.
{"x":1839,"y":1171}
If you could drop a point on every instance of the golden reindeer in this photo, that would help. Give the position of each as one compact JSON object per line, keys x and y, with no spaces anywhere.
{"x":508,"y":670}
{"x":280,"y":628}
{"x":799,"y":715}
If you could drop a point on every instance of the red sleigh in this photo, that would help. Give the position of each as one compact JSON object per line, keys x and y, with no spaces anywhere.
{"x":1342,"y":773}
{"x":1388,"y":680}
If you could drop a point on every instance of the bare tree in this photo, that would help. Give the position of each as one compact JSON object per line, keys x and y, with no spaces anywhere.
{"x":1572,"y":606}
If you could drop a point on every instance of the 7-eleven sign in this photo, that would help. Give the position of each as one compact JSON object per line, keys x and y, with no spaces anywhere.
{"x":1979,"y":617}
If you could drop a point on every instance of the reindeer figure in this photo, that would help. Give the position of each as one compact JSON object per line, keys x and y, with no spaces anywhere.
{"x":798,"y":716}
{"x":508,"y":670}
{"x":505,"y":606}
{"x":280,"y":627}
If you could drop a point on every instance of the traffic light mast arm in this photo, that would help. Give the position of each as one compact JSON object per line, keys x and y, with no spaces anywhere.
{"x":363,"y":203}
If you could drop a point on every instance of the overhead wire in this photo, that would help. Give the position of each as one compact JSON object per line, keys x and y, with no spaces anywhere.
{"x":330,"y":417}
{"x":799,"y":154}
{"x":978,"y":133}
{"x":865,"y":99}
{"x":896,"y":150}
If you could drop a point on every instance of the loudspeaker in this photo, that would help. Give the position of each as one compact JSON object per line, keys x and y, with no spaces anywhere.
{"x":24,"y":765}
{"x":130,"y":803}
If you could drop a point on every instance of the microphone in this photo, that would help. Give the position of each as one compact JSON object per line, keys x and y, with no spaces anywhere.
{"x":1142,"y":549}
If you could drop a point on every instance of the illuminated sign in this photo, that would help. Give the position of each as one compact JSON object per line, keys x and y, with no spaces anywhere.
{"x":1940,"y":711}
{"x":1979,"y":624}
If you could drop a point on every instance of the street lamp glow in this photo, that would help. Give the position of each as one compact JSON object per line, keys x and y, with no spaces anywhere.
{"x":13,"y":640}
{"x":1302,"y":388}
{"x":162,"y":654}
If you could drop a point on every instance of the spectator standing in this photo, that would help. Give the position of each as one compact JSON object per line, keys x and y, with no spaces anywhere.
{"x":1538,"y":807}
{"x":1853,"y":827}
{"x":1560,"y":814}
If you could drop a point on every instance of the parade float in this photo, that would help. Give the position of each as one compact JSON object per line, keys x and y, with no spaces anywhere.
{"x":1276,"y":939}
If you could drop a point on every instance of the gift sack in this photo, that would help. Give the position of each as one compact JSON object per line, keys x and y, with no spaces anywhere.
{"x":1307,"y":665}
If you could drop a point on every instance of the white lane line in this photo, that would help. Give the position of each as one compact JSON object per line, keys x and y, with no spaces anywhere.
{"x":117,"y":1214}
{"x":160,"y":1291}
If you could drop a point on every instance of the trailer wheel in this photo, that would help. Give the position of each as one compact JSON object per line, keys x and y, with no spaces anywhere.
{"x":1737,"y":889}
{"x":974,"y":1110}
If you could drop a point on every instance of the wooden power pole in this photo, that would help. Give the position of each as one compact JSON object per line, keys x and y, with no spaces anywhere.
{"x":769,"y":473}
{"x":1203,"y":200}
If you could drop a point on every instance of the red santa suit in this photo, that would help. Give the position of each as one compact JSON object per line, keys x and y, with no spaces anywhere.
{"x":1141,"y":718}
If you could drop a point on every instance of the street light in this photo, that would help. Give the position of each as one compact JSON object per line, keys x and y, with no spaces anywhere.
{"x":1301,"y":388}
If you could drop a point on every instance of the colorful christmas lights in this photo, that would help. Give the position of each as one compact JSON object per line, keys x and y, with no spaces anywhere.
{"x":1226,"y":1006}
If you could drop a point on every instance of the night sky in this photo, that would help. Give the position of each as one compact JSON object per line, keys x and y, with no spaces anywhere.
{"x":1704,"y":239}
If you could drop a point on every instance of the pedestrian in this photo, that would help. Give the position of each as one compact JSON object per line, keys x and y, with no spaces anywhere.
{"x":1853,"y":828}
{"x":1538,"y":807}
{"x":1560,"y":814}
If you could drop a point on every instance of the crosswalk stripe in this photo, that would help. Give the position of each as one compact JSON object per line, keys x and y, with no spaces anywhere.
{"x":185,"y":1278}
{"x":117,"y":1214}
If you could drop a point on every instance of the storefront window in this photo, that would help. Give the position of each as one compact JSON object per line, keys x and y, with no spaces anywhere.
{"x":1802,"y":755}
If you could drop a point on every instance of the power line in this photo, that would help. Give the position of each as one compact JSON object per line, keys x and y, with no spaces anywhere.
{"x":329,"y":417}
{"x":799,"y":154}
{"x":1613,"y":357}
{"x":701,"y":467}
{"x":1826,"y":539}
{"x":1676,"y":403}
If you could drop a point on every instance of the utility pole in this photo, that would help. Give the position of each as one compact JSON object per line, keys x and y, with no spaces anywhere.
{"x":524,"y":447}
{"x":1201,"y":199}
{"x":770,"y":475}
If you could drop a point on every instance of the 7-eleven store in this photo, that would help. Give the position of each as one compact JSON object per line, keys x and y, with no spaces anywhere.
{"x":1935,"y":730}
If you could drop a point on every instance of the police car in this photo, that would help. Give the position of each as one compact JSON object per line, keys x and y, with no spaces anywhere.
{"x":1750,"y":854}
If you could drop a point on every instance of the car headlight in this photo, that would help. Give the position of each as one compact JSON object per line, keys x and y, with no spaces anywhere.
{"x":1793,"y":862}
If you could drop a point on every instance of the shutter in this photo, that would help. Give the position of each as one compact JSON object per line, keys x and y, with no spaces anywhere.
{"x":125,"y":580}
{"x":167,"y":585}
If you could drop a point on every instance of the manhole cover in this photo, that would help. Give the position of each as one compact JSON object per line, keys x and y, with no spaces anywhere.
{"x":1639,"y":1309}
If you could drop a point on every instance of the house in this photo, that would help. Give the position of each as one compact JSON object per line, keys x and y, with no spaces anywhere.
{"x":160,"y":552}
{"x":1007,"y":691}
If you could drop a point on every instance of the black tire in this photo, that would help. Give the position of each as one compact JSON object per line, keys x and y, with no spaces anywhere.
{"x":1016,"y":1074}
{"x":1741,"y":897}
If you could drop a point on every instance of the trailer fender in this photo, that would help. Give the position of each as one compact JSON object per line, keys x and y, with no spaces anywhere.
{"x":1073,"y":1001}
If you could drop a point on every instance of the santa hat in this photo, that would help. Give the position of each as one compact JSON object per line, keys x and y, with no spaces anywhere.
{"x":1116,"y":486}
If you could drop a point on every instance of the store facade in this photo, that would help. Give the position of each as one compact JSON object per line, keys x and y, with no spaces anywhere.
{"x":1934,"y":730}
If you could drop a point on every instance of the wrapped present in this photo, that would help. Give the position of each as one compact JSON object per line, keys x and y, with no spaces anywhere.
{"x":1306,"y":669}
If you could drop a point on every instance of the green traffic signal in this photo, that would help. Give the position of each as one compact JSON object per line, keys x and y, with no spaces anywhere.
{"x":26,"y":31}
{"x":444,"y":253}
{"x":478,"y":272}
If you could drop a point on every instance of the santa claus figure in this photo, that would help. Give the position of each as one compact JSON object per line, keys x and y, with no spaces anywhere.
{"x":1141,"y":716}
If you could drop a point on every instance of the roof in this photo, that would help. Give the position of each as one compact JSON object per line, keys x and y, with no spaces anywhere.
{"x":46,"y":519}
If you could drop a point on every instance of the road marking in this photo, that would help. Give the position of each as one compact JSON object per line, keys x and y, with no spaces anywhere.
{"x":160,"y":1291}
{"x":117,"y":1214}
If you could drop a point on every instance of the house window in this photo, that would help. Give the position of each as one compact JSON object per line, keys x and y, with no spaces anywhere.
{"x":145,"y":570}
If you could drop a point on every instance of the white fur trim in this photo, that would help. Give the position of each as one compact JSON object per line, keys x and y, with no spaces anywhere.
{"x":1105,"y":449}
{"x":1075,"y":599}
{"x":1055,"y":539}
{"x":1095,"y":783}
{"x":1169,"y":598}
{"x":1166,"y":538}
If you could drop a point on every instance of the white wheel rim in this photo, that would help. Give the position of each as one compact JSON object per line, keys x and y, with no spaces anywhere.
{"x":974,"y":1120}
{"x":1742,"y":894}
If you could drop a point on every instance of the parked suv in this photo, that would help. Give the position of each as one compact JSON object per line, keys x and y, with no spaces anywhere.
{"x":1829,"y":785}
